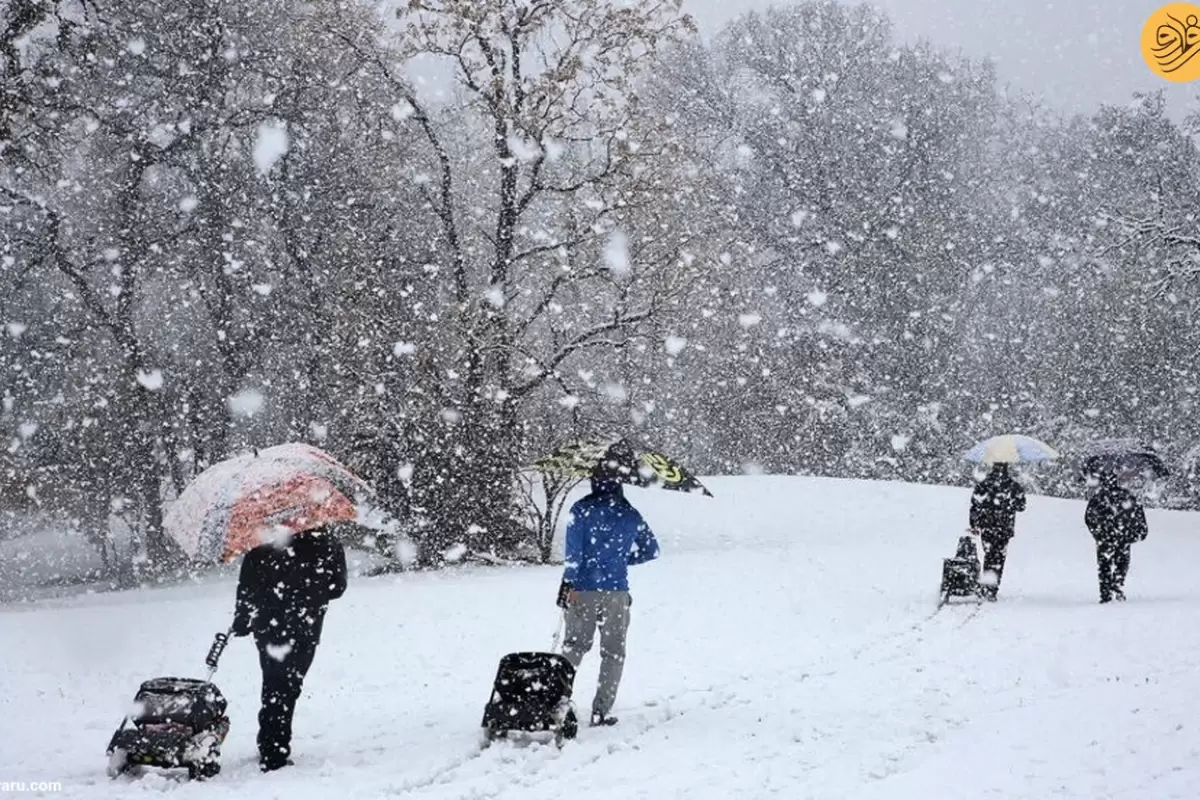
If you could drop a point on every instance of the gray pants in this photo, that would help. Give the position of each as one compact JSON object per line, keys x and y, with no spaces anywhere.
{"x":609,"y":611}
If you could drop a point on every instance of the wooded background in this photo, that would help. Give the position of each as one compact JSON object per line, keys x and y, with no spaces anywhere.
{"x":438,"y":240}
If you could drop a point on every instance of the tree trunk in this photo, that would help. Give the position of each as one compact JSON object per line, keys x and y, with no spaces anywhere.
{"x":546,"y":539}
{"x":146,"y":414}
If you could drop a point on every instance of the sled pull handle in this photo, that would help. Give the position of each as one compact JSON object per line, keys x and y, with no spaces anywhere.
{"x":214,"y":652}
{"x":558,"y":632}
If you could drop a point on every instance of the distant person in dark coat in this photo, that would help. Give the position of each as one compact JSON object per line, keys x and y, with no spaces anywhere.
{"x":1116,"y":520}
{"x":282,"y":595}
{"x":994,"y":507}
{"x":605,"y":536}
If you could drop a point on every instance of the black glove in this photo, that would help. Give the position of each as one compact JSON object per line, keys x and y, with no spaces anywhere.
{"x":241,"y":626}
{"x":564,"y":590}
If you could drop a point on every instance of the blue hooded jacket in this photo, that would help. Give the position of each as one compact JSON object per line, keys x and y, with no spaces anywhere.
{"x":605,"y":536}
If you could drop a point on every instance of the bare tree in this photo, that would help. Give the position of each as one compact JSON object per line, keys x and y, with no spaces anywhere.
{"x":532,"y":174}
{"x":542,"y":500}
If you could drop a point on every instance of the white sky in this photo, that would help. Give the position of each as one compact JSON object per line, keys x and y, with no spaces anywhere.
{"x":1074,"y":54}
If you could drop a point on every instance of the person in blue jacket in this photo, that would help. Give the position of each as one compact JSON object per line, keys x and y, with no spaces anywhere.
{"x":605,"y":536}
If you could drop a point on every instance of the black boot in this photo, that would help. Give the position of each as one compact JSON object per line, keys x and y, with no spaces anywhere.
{"x":602,"y":720}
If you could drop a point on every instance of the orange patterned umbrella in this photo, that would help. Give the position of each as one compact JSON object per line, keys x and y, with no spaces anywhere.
{"x":260,"y":497}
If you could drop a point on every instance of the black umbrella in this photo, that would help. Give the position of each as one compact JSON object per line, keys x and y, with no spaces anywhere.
{"x":1122,"y":456}
{"x":619,"y":460}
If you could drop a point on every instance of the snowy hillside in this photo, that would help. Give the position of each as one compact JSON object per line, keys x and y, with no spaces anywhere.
{"x":782,"y":647}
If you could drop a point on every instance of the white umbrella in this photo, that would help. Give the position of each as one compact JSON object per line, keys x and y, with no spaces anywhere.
{"x":1012,"y":448}
{"x":227,"y":508}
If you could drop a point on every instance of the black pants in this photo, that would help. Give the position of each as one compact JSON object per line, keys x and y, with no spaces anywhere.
{"x":1113,"y":559}
{"x":284,"y":665}
{"x":995,"y":552}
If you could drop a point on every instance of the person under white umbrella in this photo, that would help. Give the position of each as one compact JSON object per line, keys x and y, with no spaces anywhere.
{"x":276,"y":507}
{"x":998,"y":498}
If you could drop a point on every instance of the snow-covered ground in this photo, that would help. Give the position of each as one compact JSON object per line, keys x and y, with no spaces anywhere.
{"x":782,"y":647}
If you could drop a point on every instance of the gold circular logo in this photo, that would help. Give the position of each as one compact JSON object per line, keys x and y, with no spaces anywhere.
{"x":1171,"y":42}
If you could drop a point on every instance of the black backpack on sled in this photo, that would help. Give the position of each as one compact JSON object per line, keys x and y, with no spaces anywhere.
{"x":176,"y":723}
{"x":960,"y":575}
{"x":531,"y":695}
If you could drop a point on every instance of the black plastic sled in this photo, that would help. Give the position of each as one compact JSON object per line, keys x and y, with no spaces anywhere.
{"x":960,"y":575}
{"x":177,"y":723}
{"x":532,"y":695}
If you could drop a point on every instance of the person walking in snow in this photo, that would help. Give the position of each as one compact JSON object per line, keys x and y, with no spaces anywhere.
{"x":605,"y":536}
{"x":283,"y":593}
{"x":997,"y":500}
{"x":1116,"y":520}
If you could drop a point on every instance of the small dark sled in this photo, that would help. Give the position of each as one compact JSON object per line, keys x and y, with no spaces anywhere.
{"x":532,"y":695}
{"x":960,"y":575}
{"x":177,"y":723}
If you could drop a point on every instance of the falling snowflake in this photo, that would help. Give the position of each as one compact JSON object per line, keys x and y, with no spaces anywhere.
{"x":246,"y":403}
{"x":616,"y":253}
{"x":279,"y":652}
{"x":151,"y":380}
{"x":495,"y":297}
{"x":455,"y":553}
{"x":271,"y":145}
{"x":614,"y":392}
{"x":817,"y":298}
{"x":900,"y":442}
{"x":402,"y":111}
{"x":525,"y":150}
{"x":405,"y":551}
{"x":675,"y":345}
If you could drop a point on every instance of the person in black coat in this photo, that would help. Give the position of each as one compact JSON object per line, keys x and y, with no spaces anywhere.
{"x":1116,"y":520}
{"x":994,"y":507}
{"x":283,"y":593}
